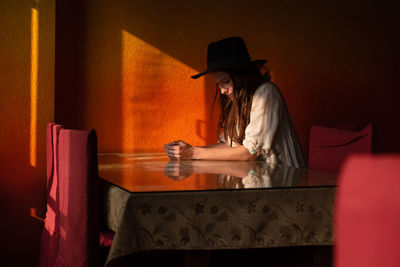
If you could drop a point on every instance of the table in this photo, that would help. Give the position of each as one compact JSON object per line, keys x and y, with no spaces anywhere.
{"x":157,"y":204}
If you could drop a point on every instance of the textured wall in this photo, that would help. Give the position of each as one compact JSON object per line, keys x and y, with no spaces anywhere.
{"x":334,"y":62}
{"x":135,"y":95}
{"x":26,"y":105}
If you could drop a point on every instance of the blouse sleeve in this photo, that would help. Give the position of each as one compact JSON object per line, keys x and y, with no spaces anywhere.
{"x":266,"y":110}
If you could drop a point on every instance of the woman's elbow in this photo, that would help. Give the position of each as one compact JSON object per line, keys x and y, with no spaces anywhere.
{"x":248,"y":156}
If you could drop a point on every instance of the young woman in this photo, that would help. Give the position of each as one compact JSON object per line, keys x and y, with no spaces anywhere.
{"x":254,"y":121}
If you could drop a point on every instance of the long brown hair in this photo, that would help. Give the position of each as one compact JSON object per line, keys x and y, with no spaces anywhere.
{"x":235,"y":112}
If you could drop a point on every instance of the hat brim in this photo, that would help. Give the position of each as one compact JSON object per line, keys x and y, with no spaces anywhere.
{"x":199,"y":74}
{"x":258,"y":63}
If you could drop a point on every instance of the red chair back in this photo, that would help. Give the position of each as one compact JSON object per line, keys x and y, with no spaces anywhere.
{"x":71,"y":234}
{"x":329,"y":147}
{"x":367,"y":215}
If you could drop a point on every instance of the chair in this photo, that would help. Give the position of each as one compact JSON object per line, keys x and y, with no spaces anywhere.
{"x":367,"y":215}
{"x":71,"y":234}
{"x":329,"y":147}
{"x":50,"y":235}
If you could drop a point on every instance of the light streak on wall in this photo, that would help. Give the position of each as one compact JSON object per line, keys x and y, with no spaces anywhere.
{"x":34,"y":85}
{"x":157,"y":98}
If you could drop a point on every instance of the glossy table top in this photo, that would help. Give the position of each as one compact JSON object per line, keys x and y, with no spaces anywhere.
{"x":154,"y":172}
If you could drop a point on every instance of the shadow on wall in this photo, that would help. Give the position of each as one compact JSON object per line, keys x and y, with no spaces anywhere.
{"x":70,"y":72}
{"x":327,"y":60}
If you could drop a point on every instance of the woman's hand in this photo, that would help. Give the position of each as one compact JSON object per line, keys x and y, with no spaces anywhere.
{"x":179,"y":150}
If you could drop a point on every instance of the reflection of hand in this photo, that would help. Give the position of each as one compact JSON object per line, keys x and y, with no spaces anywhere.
{"x":178,"y":170}
{"x":231,"y":182}
{"x":179,"y":150}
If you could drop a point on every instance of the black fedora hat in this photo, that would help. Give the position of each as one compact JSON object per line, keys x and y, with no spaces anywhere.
{"x":228,"y":53}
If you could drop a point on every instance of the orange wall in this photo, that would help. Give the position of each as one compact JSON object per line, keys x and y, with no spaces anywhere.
{"x":127,"y":65}
{"x":122,"y":68}
{"x":26,"y":105}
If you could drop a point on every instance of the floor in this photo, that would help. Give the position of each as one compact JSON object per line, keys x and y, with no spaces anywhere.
{"x":316,"y":256}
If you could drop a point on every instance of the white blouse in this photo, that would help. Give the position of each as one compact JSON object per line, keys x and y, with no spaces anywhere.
{"x":270,"y":133}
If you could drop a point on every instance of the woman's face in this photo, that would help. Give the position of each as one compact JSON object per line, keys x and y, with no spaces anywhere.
{"x":224,"y":82}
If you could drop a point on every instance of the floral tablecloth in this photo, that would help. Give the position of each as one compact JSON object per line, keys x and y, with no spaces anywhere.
{"x":210,"y":220}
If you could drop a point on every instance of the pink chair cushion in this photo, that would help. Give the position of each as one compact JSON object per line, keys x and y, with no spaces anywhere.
{"x":78,"y":201}
{"x":71,"y":234}
{"x":329,"y":147}
{"x":367,"y":216}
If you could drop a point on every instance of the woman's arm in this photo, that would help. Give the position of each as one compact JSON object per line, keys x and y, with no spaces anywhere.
{"x":214,"y":145}
{"x":181,"y":150}
{"x":223,"y":152}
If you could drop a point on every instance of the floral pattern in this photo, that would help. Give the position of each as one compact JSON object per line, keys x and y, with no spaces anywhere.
{"x":219,"y":219}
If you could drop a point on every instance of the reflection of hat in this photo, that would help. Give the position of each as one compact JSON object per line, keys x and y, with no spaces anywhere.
{"x":228,"y":53}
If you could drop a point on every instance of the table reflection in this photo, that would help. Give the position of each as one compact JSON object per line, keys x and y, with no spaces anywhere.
{"x":239,"y":175}
{"x":155,"y":172}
